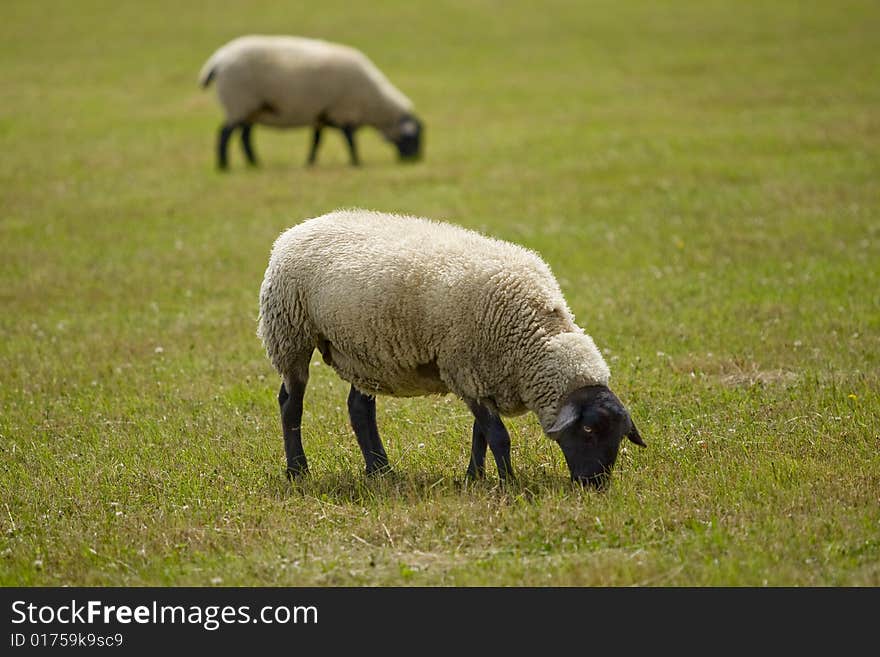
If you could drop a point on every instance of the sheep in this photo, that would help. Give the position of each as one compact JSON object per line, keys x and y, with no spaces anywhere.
{"x":407,"y":306}
{"x":286,"y":81}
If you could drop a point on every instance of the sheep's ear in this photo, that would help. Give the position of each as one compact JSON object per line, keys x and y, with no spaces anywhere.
{"x":568,"y":415}
{"x":633,"y":434}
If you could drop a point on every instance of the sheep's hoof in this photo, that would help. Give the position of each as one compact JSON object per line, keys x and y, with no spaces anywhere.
{"x":473,"y":474}
{"x":296,"y":472}
{"x":379,"y":470}
{"x":506,"y":482}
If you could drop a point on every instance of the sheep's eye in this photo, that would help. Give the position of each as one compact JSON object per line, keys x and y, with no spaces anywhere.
{"x":590,"y":435}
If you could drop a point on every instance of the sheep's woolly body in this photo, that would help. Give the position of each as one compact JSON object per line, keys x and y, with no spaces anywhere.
{"x":292,"y":81}
{"x":408,"y":306}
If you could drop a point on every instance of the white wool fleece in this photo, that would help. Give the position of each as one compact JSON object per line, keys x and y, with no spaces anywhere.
{"x":408,"y":306}
{"x":288,"y":81}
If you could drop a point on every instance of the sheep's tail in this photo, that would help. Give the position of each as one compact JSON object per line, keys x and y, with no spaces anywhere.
{"x":209,"y":70}
{"x":281,"y":328}
{"x":205,"y":80}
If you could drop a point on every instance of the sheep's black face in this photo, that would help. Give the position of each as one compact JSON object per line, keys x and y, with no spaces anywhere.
{"x":589,"y":428}
{"x":409,"y":138}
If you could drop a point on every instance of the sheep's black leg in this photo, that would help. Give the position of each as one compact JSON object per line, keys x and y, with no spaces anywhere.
{"x":291,"y":403}
{"x":222,"y":143}
{"x":477,"y":466}
{"x":491,"y":426}
{"x":362,"y":411}
{"x":246,"y":143}
{"x":348,"y":131}
{"x":316,"y":141}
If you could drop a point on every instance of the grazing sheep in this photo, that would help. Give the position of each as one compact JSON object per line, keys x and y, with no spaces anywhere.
{"x":406,"y":306}
{"x":287,"y":82}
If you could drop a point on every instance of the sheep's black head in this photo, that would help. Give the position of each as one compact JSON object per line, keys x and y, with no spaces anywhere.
{"x":408,"y":138}
{"x":589,"y":428}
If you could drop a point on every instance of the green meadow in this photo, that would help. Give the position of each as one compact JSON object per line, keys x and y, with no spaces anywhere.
{"x":702,"y":177}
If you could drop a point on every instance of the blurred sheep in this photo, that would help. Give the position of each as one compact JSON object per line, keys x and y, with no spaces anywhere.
{"x":288,"y":82}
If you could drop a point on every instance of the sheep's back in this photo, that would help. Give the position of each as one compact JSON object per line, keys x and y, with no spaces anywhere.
{"x":291,"y":81}
{"x":403,"y":301}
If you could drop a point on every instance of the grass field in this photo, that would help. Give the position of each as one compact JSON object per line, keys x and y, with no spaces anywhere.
{"x":703,"y":178}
